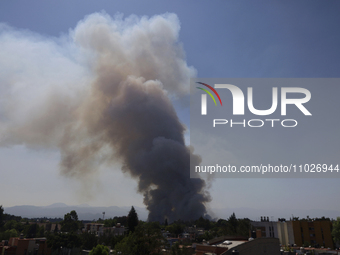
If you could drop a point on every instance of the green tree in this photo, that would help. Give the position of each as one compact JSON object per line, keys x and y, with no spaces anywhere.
{"x":109,"y":222}
{"x":55,"y":228}
{"x":10,"y":224}
{"x":203,"y":223}
{"x":89,"y":240}
{"x":175,"y":229}
{"x":176,"y":250}
{"x":146,"y":239}
{"x":115,"y":240}
{"x":70,"y":222}
{"x":100,"y":250}
{"x":122,"y":220}
{"x":31,"y":230}
{"x":243,"y":227}
{"x":132,"y":219}
{"x":232,"y":222}
{"x":8,"y":234}
{"x":63,"y":240}
{"x":336,"y":230}
{"x":1,"y":216}
{"x":41,"y":231}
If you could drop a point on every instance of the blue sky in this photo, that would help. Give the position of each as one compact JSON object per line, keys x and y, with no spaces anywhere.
{"x":279,"y":39}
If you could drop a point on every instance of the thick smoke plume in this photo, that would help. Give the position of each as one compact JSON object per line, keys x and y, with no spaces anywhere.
{"x":103,"y":93}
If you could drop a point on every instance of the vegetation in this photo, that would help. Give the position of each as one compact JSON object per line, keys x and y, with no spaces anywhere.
{"x":88,"y":240}
{"x":68,"y":235}
{"x":70,"y":222}
{"x":146,"y":239}
{"x":176,"y":250}
{"x":132,"y":219}
{"x":100,"y":250}
{"x":1,"y":216}
{"x":113,"y":221}
{"x":336,"y":230}
{"x":60,"y":241}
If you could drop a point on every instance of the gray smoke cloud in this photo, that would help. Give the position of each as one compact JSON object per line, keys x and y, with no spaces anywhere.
{"x":101,"y":94}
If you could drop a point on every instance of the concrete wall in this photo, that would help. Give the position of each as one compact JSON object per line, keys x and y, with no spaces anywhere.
{"x":285,"y":232}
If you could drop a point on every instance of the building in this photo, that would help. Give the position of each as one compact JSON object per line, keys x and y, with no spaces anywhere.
{"x":223,"y":246}
{"x":119,"y":230}
{"x":265,"y":228}
{"x":193,"y":232}
{"x":94,"y":228}
{"x":258,"y":246}
{"x":285,"y":232}
{"x":314,"y":232}
{"x":25,"y":246}
{"x":305,"y":232}
{"x":202,"y":249}
{"x":99,"y":229}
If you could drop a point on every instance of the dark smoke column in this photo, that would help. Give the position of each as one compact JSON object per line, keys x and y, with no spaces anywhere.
{"x":141,"y":125}
{"x":145,"y":131}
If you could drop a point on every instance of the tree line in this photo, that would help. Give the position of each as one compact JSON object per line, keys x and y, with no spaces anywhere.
{"x":140,"y":238}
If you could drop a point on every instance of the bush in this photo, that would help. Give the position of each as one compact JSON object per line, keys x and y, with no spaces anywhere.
{"x":100,"y":250}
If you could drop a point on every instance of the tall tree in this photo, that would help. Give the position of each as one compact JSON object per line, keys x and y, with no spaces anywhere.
{"x":32,"y":230}
{"x":336,"y":230}
{"x":146,"y":239}
{"x":232,"y":221}
{"x":1,"y":216}
{"x":175,"y":229}
{"x":89,"y":240}
{"x":56,"y":228}
{"x":57,"y":242}
{"x":41,"y":232}
{"x":70,"y":222}
{"x":132,"y":219}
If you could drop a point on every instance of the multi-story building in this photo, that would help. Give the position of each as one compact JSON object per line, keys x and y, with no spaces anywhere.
{"x":313,"y":232}
{"x":95,"y":228}
{"x":265,"y":228}
{"x":117,"y":230}
{"x":99,"y":229}
{"x":305,"y":232}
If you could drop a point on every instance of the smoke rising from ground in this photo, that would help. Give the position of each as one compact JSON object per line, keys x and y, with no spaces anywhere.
{"x":100,"y":94}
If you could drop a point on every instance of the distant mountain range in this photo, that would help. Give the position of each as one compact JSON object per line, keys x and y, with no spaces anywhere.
{"x":84,"y":211}
{"x":87,"y":212}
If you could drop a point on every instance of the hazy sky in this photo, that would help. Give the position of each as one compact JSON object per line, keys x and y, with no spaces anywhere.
{"x":240,"y":39}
